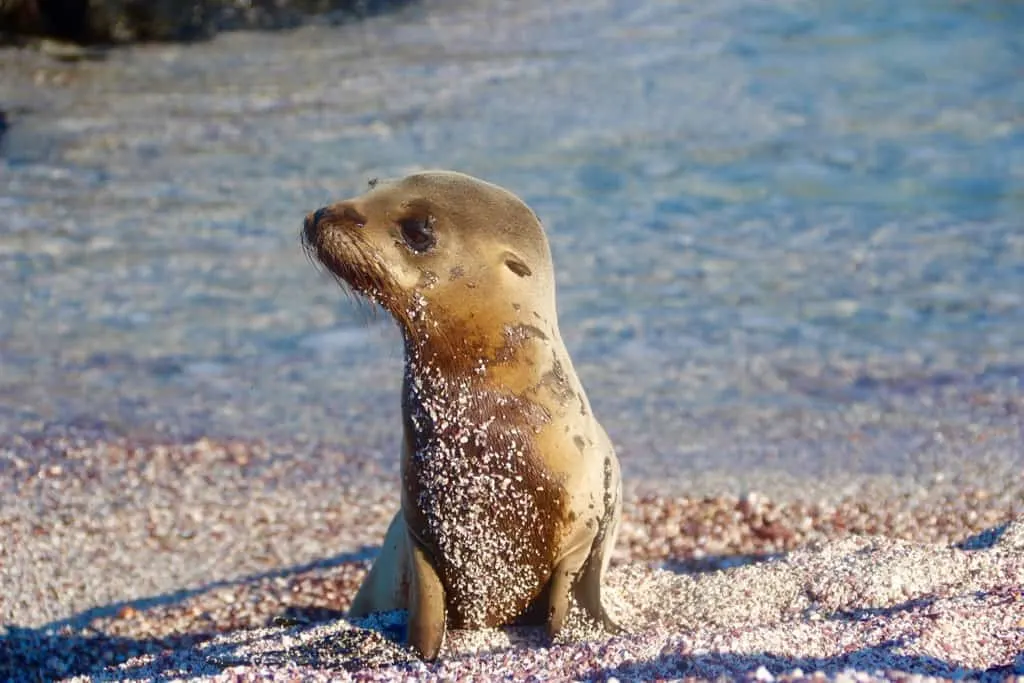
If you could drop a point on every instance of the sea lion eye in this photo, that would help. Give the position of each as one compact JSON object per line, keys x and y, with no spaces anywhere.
{"x":418,"y":233}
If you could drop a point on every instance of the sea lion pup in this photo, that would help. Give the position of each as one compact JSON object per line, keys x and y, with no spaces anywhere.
{"x":511,"y":494}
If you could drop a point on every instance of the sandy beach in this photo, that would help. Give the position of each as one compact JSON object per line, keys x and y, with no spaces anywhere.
{"x":128,"y":561}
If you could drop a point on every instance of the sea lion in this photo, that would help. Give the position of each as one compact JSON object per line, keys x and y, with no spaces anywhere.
{"x":511,"y":494}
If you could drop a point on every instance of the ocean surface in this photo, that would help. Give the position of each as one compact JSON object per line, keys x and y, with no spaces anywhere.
{"x":789,"y":237}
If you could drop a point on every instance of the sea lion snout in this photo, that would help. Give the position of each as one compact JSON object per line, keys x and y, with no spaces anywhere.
{"x":342,"y":214}
{"x":311,"y":226}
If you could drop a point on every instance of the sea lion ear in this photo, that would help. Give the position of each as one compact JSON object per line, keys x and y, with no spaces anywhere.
{"x":516,"y":265}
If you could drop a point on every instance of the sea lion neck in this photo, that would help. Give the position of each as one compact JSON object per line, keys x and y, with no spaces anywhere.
{"x":514,"y":351}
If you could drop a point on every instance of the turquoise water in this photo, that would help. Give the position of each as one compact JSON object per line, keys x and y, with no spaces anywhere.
{"x":787,"y":237}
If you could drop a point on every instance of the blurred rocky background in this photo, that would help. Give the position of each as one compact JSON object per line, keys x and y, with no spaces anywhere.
{"x":127,"y":21}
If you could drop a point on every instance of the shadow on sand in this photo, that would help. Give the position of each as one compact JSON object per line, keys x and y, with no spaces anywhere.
{"x":72,"y":647}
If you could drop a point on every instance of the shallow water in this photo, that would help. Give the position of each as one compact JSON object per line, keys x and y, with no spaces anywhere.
{"x":788,"y":238}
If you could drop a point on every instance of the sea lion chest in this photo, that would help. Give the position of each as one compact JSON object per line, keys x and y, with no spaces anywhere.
{"x":476,"y":496}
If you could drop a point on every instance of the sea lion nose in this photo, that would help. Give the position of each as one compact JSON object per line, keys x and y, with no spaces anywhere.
{"x":318,"y":216}
{"x":312,"y":223}
{"x":342,"y":215}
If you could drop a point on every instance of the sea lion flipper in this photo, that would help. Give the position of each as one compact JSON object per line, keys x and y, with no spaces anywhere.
{"x":588,"y":594}
{"x":588,"y":589}
{"x":383,"y":589}
{"x":560,"y":587}
{"x":427,"y":615}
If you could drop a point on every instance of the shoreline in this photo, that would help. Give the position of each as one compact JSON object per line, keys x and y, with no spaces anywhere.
{"x":988,"y":463}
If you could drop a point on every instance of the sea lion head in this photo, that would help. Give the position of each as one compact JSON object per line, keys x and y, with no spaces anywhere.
{"x":438,"y":250}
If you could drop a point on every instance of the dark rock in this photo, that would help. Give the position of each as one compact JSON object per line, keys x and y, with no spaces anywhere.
{"x":128,"y":21}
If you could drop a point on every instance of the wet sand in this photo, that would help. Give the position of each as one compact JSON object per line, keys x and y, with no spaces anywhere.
{"x":235,"y":561}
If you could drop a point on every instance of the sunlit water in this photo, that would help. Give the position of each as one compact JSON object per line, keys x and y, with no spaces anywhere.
{"x":787,"y":237}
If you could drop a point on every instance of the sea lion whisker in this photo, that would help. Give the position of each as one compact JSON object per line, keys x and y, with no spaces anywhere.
{"x":366,"y":306}
{"x":308,"y":248}
{"x":310,"y":253}
{"x":315,"y":252}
